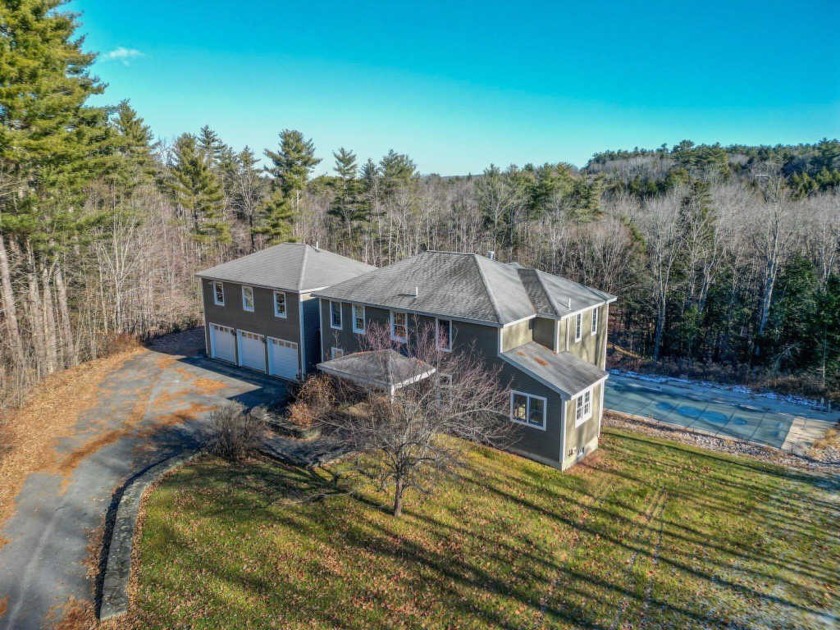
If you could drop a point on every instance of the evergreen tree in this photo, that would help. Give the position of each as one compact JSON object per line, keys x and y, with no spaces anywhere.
{"x":277,"y":219}
{"x":347,"y":206}
{"x":196,"y":190}
{"x":211,"y":145}
{"x":292,"y":164}
{"x":133,"y":146}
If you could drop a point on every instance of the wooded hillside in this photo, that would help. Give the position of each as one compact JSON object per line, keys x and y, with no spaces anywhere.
{"x":722,"y":257}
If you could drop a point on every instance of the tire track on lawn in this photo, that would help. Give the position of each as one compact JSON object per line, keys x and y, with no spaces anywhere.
{"x":590,"y":500}
{"x":647,"y":537}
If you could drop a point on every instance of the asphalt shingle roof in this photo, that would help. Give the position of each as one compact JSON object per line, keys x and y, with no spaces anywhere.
{"x":380,"y":368}
{"x":566,"y":372}
{"x":288,"y":266}
{"x":466,"y":286}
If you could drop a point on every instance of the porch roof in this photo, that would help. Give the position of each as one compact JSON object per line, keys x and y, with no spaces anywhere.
{"x":382,"y":369}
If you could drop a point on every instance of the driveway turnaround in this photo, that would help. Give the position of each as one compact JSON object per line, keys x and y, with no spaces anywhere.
{"x":720,"y":411}
{"x":152,"y":408}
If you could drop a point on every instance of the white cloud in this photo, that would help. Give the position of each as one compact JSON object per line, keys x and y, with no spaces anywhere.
{"x":122,"y":54}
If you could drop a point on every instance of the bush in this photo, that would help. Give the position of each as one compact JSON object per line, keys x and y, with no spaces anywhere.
{"x":315,"y":398}
{"x":235,"y":433}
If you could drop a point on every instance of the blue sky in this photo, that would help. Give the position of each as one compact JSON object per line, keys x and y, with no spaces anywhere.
{"x":458,"y":85}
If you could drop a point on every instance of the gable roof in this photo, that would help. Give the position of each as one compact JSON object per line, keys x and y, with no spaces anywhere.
{"x":289,"y":266}
{"x":564,"y":371}
{"x":466,"y":286}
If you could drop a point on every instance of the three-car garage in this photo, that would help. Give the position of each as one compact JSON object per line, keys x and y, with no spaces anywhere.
{"x":277,"y":357}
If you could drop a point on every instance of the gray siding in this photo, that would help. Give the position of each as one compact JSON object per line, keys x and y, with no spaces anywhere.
{"x":591,"y":348}
{"x":544,"y":330}
{"x":586,"y":435}
{"x":517,"y":334}
{"x":261,"y":321}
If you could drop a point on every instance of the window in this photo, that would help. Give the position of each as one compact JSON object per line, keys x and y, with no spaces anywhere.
{"x":335,"y":315}
{"x":399,"y":326}
{"x":595,"y":320}
{"x":443,"y":334}
{"x":336,"y":353}
{"x":279,"y":304}
{"x":578,"y":326}
{"x":218,"y":294}
{"x":527,"y":409}
{"x":358,"y":318}
{"x":583,"y":407}
{"x":248,"y":299}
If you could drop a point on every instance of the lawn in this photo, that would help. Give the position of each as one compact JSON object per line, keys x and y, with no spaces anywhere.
{"x":647,"y":533}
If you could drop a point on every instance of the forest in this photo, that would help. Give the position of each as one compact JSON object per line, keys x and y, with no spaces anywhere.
{"x":724,"y":258}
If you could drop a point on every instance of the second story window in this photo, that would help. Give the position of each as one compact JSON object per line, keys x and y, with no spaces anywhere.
{"x":578,"y":326}
{"x":399,"y":326}
{"x":218,"y":294}
{"x":335,"y":315}
{"x":248,"y":299}
{"x":280,"y":304}
{"x":595,"y":320}
{"x":358,"y":318}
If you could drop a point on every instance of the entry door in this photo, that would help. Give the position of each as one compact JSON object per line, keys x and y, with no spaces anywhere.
{"x":282,"y":358}
{"x":222,"y":343}
{"x":251,"y":350}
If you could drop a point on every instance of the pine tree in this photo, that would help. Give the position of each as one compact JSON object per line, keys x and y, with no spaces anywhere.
{"x":211,"y":145}
{"x":133,"y":147}
{"x":348,"y":205}
{"x":196,"y":190}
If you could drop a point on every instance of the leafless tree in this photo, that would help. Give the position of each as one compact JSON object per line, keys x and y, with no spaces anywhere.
{"x":408,"y":433}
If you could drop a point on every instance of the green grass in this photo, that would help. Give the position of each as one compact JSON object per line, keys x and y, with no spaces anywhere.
{"x":647,"y":534}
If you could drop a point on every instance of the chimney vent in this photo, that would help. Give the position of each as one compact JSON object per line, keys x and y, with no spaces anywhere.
{"x":317,"y":249}
{"x":491,"y":255}
{"x":569,"y":303}
{"x":416,"y":291}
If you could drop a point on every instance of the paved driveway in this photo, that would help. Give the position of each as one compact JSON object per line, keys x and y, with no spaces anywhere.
{"x":153,"y":408}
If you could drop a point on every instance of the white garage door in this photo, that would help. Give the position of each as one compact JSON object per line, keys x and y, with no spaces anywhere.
{"x":282,"y":358}
{"x":251,"y":350}
{"x":222,"y":343}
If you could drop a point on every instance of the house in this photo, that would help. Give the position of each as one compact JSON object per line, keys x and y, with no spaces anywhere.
{"x":547,"y":334}
{"x":259,"y":312}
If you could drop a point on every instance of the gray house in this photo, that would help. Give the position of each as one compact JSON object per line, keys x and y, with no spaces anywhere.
{"x":259,"y":312}
{"x":547,"y":334}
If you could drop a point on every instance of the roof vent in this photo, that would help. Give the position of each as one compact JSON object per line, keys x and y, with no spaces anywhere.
{"x":491,"y":255}
{"x":317,"y":249}
{"x":569,"y":303}
{"x":416,"y":291}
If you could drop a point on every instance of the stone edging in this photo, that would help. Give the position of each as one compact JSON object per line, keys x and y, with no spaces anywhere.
{"x":118,"y":567}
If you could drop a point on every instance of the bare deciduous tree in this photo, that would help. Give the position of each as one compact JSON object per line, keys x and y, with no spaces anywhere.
{"x":408,"y":433}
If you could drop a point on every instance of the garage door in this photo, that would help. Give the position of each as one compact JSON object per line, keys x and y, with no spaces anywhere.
{"x":282,"y":358}
{"x":251,"y":350}
{"x":222,"y":343}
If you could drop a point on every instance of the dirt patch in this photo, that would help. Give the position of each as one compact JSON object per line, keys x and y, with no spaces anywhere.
{"x":4,"y":605}
{"x":77,"y":615}
{"x":49,"y":414}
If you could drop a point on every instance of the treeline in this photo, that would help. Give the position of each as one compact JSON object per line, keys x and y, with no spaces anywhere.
{"x":721,"y":257}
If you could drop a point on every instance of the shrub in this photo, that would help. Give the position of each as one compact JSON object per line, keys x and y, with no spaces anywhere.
{"x":234,"y":433}
{"x":315,"y":398}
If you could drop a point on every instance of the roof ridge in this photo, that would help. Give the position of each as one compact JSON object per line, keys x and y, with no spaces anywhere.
{"x":490,"y":294}
{"x":551,"y":300}
{"x":303,"y":268}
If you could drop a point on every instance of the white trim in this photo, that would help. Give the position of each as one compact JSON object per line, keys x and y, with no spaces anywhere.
{"x":601,"y":408}
{"x":395,"y":337}
{"x":455,"y":318}
{"x":578,"y":323}
{"x":340,"y":316}
{"x":437,"y":338}
{"x":353,"y":308}
{"x":581,"y":397}
{"x":274,"y":295}
{"x":528,"y":398}
{"x":563,"y":405}
{"x":221,"y":284}
{"x":557,"y":336}
{"x":253,"y":299}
